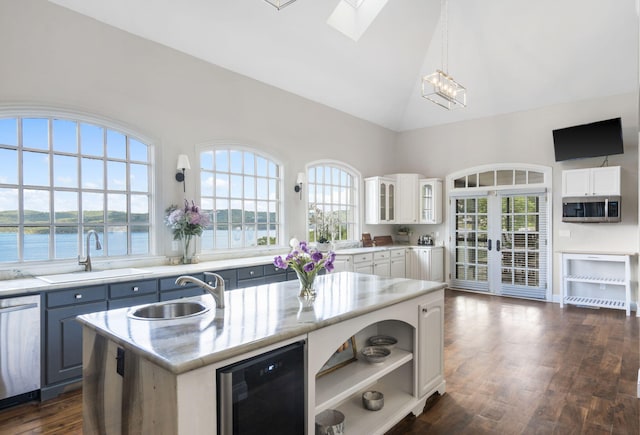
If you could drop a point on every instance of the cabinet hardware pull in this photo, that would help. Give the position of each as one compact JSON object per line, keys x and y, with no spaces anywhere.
{"x":489,"y":247}
{"x":251,"y":273}
{"x":77,"y":296}
{"x":424,"y":310}
{"x":135,"y":289}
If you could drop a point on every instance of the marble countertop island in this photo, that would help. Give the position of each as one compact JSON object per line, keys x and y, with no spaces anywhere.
{"x":253,"y":318}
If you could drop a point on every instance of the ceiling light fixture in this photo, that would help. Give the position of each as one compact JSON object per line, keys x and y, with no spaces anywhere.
{"x":279,"y":4}
{"x":439,"y":87}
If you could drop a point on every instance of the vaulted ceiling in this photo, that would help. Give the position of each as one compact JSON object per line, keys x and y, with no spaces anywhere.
{"x":511,"y":55}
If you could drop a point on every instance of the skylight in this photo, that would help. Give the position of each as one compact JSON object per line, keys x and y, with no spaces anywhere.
{"x":353,"y":17}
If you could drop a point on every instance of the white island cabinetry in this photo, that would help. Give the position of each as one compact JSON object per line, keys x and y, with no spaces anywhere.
{"x":160,"y":376}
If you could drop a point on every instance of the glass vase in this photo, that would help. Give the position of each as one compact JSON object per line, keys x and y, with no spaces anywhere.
{"x":306,"y":285}
{"x":187,"y":249}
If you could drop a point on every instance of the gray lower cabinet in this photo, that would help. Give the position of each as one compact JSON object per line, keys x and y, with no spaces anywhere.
{"x":63,"y":335}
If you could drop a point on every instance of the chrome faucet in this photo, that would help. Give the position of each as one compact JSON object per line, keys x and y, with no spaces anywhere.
{"x":87,"y":261}
{"x":216,"y":291}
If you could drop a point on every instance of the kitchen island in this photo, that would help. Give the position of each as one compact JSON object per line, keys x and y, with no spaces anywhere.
{"x":159,"y":376}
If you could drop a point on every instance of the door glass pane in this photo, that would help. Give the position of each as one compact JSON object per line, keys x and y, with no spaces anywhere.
{"x":504,"y":177}
{"x":486,"y":178}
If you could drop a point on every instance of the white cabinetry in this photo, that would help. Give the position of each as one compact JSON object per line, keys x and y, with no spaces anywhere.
{"x":398,"y":263}
{"x":426,"y":263}
{"x":431,"y":201}
{"x":380,"y":200}
{"x":412,"y":373}
{"x":431,"y":330}
{"x":362,"y":263}
{"x":382,"y":263}
{"x":591,"y":181}
{"x":407,"y":210}
{"x":597,"y":280}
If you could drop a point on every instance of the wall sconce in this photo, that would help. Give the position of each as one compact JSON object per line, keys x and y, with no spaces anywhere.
{"x":183,"y":163}
{"x":299,"y":182}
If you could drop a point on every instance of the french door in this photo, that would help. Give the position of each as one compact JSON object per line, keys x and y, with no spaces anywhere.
{"x":499,"y":243}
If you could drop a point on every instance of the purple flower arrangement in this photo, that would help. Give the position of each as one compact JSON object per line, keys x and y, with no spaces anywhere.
{"x":306,"y":262}
{"x":187,"y":221}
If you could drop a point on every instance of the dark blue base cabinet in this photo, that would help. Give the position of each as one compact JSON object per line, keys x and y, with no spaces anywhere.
{"x":63,"y":335}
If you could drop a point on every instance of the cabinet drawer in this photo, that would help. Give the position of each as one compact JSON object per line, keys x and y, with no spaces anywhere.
{"x":76,"y":296}
{"x":250,"y":272}
{"x":270,"y":269}
{"x":361,"y":258}
{"x":132,"y":288}
{"x":179,"y":294}
{"x":397,"y":253}
{"x":142,"y":299}
{"x":170,"y":283}
{"x":381,"y":255}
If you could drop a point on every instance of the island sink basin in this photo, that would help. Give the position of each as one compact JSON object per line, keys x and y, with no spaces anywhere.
{"x":87,"y":276}
{"x":169,"y":311}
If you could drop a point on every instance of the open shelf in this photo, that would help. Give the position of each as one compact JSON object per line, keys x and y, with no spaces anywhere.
{"x":337,"y":386}
{"x":596,"y":302}
{"x":397,"y":404}
{"x":597,"y":280}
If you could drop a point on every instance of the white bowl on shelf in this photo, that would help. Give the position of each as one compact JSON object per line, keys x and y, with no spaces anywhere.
{"x":383,"y":340}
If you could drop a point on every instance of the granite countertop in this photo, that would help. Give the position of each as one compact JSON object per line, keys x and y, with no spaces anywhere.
{"x":253,"y":317}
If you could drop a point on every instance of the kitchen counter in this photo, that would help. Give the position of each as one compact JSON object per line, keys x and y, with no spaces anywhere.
{"x":20,"y":286}
{"x":145,"y":376}
{"x":253,"y":318}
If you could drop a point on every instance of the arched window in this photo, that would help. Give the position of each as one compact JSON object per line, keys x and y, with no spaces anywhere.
{"x":241,"y":189}
{"x":333,"y":202}
{"x":61,"y":177}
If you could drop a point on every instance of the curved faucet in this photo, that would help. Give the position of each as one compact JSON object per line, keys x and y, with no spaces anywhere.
{"x":216,"y":291}
{"x":87,"y":261}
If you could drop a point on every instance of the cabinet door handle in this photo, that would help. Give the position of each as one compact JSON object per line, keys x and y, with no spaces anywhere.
{"x":77,"y":296}
{"x":251,"y":273}
{"x":498,"y":245}
{"x":489,"y":245}
{"x":135,"y":288}
{"x":425,"y":309}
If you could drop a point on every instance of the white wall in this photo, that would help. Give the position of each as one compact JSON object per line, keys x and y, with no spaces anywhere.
{"x":52,"y":56}
{"x":525,"y":137}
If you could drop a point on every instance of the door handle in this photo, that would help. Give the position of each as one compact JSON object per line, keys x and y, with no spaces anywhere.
{"x":498,"y":245}
{"x":489,"y":247}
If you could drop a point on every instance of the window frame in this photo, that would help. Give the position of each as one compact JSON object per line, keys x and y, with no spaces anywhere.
{"x":57,"y":114}
{"x":230,"y":146}
{"x":357,"y":197}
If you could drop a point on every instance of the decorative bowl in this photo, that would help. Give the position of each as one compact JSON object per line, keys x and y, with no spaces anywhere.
{"x":373,"y":400}
{"x":375,"y":354}
{"x":383,"y":340}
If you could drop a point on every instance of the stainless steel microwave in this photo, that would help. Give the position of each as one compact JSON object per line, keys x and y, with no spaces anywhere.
{"x":591,"y":209}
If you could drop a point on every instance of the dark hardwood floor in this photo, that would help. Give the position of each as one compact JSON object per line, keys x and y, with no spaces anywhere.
{"x":512,"y":367}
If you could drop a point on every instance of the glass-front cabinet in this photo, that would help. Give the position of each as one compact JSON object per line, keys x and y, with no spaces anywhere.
{"x":380,"y":200}
{"x":430,"y":201}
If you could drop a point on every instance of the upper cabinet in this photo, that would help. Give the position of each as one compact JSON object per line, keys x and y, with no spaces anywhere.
{"x":431,"y":201}
{"x":591,"y":181}
{"x":380,"y":200}
{"x":403,"y":199}
{"x":407,"y":194}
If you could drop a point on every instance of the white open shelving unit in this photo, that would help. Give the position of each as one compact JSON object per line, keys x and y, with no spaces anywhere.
{"x":597,"y":280}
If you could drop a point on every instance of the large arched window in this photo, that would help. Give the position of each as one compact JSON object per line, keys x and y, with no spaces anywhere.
{"x":61,"y":177}
{"x":333,"y":202}
{"x":241,"y":190}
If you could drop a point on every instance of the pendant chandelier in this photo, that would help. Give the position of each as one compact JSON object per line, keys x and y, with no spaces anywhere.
{"x":279,"y":4}
{"x":439,"y":87}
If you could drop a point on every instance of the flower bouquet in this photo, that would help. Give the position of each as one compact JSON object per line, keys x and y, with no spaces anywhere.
{"x":186,"y":222}
{"x":306,"y":263}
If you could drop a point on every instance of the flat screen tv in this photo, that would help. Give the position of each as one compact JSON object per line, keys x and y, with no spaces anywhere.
{"x":602,"y":138}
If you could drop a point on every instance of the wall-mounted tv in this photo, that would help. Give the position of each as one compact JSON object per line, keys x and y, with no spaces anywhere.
{"x":602,"y":138}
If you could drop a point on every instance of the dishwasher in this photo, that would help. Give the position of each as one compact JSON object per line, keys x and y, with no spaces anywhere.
{"x":19,"y":349}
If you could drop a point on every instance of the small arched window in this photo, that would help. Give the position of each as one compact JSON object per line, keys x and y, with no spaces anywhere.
{"x":333,"y":212}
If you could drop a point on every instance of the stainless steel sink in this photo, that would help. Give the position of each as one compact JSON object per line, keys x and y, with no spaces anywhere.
{"x":168,"y":311}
